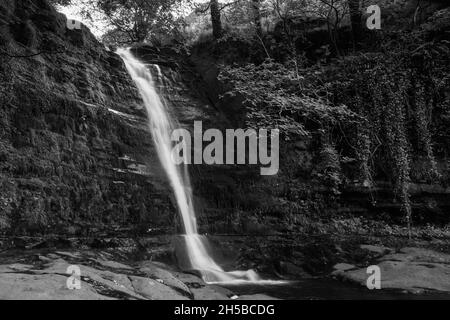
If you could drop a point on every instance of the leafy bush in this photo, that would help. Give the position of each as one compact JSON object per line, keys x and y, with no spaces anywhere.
{"x":276,"y":98}
{"x":401,"y":92}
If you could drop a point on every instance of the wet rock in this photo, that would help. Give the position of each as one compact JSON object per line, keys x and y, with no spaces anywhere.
{"x":411,"y":269}
{"x":102,"y":276}
{"x":16,"y":267}
{"x":73,"y":255}
{"x":44,"y":259}
{"x":418,"y":255}
{"x":343,"y":267}
{"x":113,"y":264}
{"x":375,"y":249}
{"x":19,"y":286}
{"x":153,"y":290}
{"x":256,"y":297}
{"x":201,"y":291}
{"x":290,"y":269}
{"x":154,"y":272}
{"x":210,"y":292}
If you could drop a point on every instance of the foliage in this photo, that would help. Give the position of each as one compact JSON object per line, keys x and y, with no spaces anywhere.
{"x":386,"y":108}
{"x":134,"y":21}
{"x":401,"y":91}
{"x":274,"y":97}
{"x":329,"y":168}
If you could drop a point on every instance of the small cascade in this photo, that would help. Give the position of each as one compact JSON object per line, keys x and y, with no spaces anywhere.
{"x":195,"y":246}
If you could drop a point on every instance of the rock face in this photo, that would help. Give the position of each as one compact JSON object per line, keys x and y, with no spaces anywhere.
{"x":76,"y":156}
{"x":75,"y":153}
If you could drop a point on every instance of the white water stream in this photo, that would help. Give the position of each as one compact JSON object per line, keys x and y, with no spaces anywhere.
{"x":161,"y":127}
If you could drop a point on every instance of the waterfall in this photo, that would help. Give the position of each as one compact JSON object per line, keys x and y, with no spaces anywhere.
{"x":161,"y":127}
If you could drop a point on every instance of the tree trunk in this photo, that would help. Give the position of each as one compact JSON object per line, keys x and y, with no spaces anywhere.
{"x":215,"y":19}
{"x":257,"y":17}
{"x":355,"y":18}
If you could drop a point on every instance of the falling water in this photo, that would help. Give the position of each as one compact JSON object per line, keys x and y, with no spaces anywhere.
{"x":161,"y":127}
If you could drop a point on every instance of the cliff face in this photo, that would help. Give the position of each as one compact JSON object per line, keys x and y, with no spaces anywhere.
{"x":75,"y":153}
{"x":76,"y":156}
{"x":302,"y":186}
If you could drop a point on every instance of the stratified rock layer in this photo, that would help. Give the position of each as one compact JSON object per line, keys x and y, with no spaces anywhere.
{"x":75,"y":153}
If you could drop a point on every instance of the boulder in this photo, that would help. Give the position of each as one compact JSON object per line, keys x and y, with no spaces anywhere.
{"x":413,"y":270}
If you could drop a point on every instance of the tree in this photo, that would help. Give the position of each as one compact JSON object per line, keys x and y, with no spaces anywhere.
{"x":238,"y":13}
{"x":285,"y":10}
{"x":133,"y":21}
{"x":355,"y":18}
{"x":290,"y":14}
{"x":216,"y":19}
{"x":256,"y":4}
